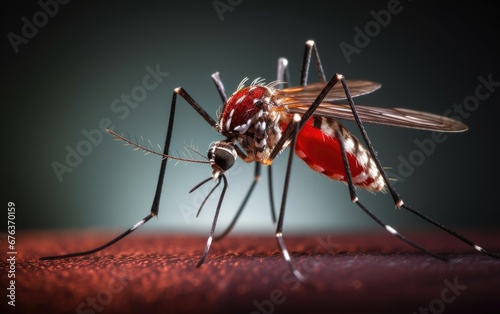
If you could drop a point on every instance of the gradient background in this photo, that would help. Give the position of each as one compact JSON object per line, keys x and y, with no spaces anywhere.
{"x":65,"y":78}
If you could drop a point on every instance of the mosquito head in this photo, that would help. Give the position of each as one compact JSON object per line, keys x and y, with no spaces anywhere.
{"x":222,"y":156}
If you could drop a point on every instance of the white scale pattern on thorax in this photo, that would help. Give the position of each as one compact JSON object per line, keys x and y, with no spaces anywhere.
{"x":259,"y":133}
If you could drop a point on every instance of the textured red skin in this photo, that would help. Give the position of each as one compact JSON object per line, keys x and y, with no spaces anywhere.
{"x":364,"y":272}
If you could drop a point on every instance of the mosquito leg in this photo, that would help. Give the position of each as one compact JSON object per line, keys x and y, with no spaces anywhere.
{"x":398,"y":201}
{"x":354,"y":199}
{"x":450,"y":231}
{"x":159,"y":186}
{"x":271,"y":192}
{"x":283,"y":74}
{"x":256,"y":178}
{"x":214,"y":223}
{"x":156,"y":200}
{"x":279,"y":227}
{"x":311,"y":51}
{"x":334,"y":80}
{"x":180,"y":91}
{"x":97,"y":249}
{"x":220,"y":87}
{"x":177,"y":91}
{"x":289,"y":130}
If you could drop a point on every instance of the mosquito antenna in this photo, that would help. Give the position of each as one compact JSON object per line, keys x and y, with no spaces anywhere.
{"x":196,"y":152}
{"x":105,"y":245}
{"x":147,"y":150}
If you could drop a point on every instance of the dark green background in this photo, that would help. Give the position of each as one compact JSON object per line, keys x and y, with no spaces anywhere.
{"x":65,"y":78}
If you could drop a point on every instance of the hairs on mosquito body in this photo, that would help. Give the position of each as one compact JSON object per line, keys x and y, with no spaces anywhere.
{"x":191,"y":149}
{"x":260,"y":82}
{"x":256,"y":82}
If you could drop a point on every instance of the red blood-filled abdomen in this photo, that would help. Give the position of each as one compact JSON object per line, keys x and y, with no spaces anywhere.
{"x":321,"y":152}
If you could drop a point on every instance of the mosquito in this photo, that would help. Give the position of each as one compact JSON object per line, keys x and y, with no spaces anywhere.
{"x":260,"y":120}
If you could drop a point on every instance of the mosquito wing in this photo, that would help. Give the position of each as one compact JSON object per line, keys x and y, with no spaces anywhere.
{"x":399,"y":117}
{"x":304,"y":94}
{"x":298,"y":100}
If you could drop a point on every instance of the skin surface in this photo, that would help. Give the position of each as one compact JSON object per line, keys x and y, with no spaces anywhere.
{"x":153,"y":273}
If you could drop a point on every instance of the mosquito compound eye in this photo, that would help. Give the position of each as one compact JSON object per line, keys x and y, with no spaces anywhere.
{"x":224,"y":159}
{"x":222,"y":155}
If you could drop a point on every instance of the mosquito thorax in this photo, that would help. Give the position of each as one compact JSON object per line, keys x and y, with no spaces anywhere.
{"x":222,"y":156}
{"x":249,"y":118}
